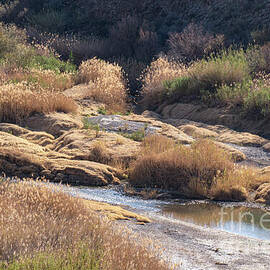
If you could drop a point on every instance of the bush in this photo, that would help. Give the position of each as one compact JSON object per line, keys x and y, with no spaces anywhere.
{"x":71,"y":47}
{"x":153,"y":79}
{"x":179,"y":168}
{"x":259,"y":58}
{"x":166,"y":81}
{"x":234,"y":94}
{"x":193,"y":43}
{"x":50,"y":21}
{"x":133,"y":69}
{"x":251,"y":96}
{"x":19,"y":101}
{"x":129,"y":38}
{"x":52,"y":63}
{"x":181,"y":87}
{"x":10,"y":38}
{"x":106,"y":83}
{"x":41,"y":79}
{"x":229,"y":68}
{"x":257,"y":103}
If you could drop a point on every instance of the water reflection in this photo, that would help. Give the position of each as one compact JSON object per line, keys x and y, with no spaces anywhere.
{"x":252,"y":222}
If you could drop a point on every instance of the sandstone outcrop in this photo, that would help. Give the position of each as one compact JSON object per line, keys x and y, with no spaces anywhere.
{"x":55,"y":123}
{"x":134,"y":123}
{"x":22,"y":158}
{"x":214,"y":116}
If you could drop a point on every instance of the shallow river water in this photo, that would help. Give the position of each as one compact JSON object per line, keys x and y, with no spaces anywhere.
{"x":241,"y":218}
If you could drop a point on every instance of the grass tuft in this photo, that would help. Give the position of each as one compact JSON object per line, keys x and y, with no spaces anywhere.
{"x":41,"y":227}
{"x":106,"y":83}
{"x":17,"y":102}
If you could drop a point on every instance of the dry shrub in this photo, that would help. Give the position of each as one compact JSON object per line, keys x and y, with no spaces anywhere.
{"x":131,"y":38}
{"x":193,"y":43}
{"x":235,"y":184}
{"x":39,"y":219}
{"x":99,"y":153}
{"x":258,"y":58}
{"x":175,"y":168}
{"x":123,"y":35}
{"x":72,"y":47}
{"x":153,"y":79}
{"x":156,"y":144}
{"x":106,"y":83}
{"x":19,"y":101}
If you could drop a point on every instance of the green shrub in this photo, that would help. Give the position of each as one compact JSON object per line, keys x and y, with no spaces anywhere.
{"x":234,"y":94}
{"x":52,"y":63}
{"x":84,"y":257}
{"x":180,"y":87}
{"x":258,"y":102}
{"x":227,"y":69}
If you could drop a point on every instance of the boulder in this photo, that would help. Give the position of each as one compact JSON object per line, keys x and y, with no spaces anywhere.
{"x":266,"y":147}
{"x":104,"y":147}
{"x":242,"y":138}
{"x":37,"y":137}
{"x":19,"y":157}
{"x":236,"y":154}
{"x":215,"y":116}
{"x":55,"y":123}
{"x":198,"y":132}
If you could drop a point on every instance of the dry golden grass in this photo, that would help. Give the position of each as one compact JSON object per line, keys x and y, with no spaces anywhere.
{"x":37,"y":219}
{"x":236,"y":184}
{"x":178,"y":167}
{"x":203,"y":170}
{"x":153,"y":79}
{"x":19,"y":101}
{"x":156,"y":144}
{"x":42,"y":79}
{"x":99,"y":153}
{"x":106,"y":83}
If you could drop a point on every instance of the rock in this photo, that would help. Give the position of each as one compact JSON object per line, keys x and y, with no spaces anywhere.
{"x":55,"y":123}
{"x":19,"y":157}
{"x":266,"y":170}
{"x":134,"y":123}
{"x":199,"y":113}
{"x":82,"y":172}
{"x":151,"y":114}
{"x":114,"y":212}
{"x":236,"y":154}
{"x":40,"y":138}
{"x":81,"y":143}
{"x":263,"y":193}
{"x":242,"y":138}
{"x":214,"y":116}
{"x":198,"y":132}
{"x":218,"y":132}
{"x":266,"y":147}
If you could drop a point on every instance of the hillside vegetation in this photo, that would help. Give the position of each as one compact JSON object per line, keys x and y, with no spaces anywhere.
{"x":133,"y":32}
